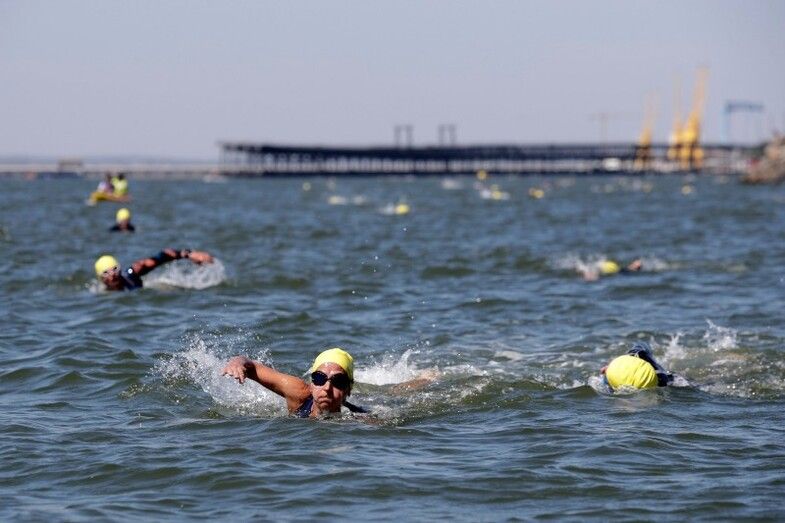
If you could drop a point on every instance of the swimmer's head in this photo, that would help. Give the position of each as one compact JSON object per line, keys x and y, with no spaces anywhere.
{"x":609,"y":267}
{"x":104,"y":263}
{"x":108,"y":270}
{"x":332,"y":374}
{"x":630,"y":371}
{"x":123,"y":215}
{"x":338,"y":356}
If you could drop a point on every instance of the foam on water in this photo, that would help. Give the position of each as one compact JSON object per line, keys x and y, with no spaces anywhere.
{"x":187,"y":275}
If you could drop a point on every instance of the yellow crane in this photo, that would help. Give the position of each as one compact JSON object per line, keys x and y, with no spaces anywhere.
{"x":643,"y":149}
{"x":674,"y":143}
{"x":690,"y":152}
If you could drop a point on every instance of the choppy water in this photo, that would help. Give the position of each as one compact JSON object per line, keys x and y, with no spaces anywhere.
{"x":113,"y":406}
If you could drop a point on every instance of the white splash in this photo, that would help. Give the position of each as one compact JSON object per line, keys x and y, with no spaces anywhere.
{"x":337,"y":199}
{"x":186,"y":275}
{"x":95,"y":287}
{"x":198,"y":364}
{"x":674,"y":351}
{"x":720,"y":338}
{"x":451,"y":184}
{"x":588,"y":268}
{"x":391,"y":370}
{"x":510,"y":355}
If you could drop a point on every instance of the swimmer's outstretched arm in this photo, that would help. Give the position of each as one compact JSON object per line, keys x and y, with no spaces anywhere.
{"x":145,"y":265}
{"x":292,"y":388}
{"x":423,"y":380}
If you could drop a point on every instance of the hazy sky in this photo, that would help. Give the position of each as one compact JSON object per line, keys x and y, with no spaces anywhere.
{"x":173,"y":78}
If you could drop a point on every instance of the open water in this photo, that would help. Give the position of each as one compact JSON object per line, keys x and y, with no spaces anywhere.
{"x":112,"y":405}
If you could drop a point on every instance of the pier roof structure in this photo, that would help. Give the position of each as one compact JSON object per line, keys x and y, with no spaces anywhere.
{"x":259,"y":158}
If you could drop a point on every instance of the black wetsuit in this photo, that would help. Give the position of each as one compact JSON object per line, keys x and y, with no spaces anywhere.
{"x":133,"y":280}
{"x":116,"y":228}
{"x":130,"y":279}
{"x":304,"y":410}
{"x":642,"y":350}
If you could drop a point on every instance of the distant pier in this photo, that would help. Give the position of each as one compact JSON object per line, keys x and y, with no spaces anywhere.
{"x":244,"y":159}
{"x":252,"y":159}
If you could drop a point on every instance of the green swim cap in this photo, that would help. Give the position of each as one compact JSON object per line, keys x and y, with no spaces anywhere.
{"x":630,"y":371}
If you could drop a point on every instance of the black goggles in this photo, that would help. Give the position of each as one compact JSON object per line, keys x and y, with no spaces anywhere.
{"x":339,"y":381}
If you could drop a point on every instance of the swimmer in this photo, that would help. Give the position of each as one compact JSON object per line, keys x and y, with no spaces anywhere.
{"x":637,"y":369}
{"x":609,"y":268}
{"x":123,"y":222}
{"x":332,"y":377}
{"x":120,"y":185}
{"x":116,"y":279}
{"x":105,"y":186}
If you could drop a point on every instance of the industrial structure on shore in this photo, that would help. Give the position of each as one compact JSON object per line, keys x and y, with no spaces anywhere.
{"x":254,"y":159}
{"x":684,"y":152}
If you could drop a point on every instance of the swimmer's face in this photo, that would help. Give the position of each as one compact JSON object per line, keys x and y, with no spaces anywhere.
{"x":111,"y":278}
{"x":329,"y":397}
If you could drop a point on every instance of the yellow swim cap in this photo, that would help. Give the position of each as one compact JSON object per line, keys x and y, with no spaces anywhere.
{"x":630,"y":371}
{"x":123,"y":215}
{"x":337,"y":356}
{"x":401,"y":208}
{"x":105,"y":262}
{"x":609,"y":267}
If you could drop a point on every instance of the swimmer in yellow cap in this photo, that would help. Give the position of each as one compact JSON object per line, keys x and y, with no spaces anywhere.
{"x":332,"y":377}
{"x":609,"y":268}
{"x":123,"y":222}
{"x":115,"y":278}
{"x":636,"y":370}
{"x":120,"y":184}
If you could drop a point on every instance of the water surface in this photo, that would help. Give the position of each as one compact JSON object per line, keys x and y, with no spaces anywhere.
{"x":113,"y":405}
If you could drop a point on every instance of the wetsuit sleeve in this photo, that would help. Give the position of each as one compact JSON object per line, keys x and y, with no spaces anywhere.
{"x":131,"y":280}
{"x":145,"y":265}
{"x":643,"y":351}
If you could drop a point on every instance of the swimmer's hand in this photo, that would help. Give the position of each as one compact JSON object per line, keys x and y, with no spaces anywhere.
{"x":635,"y":265}
{"x":200,"y":257}
{"x":237,"y":368}
{"x":424,"y":379}
{"x":590,"y":275}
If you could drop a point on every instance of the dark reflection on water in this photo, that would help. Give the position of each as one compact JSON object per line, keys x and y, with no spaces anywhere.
{"x":113,"y":406}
